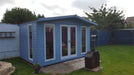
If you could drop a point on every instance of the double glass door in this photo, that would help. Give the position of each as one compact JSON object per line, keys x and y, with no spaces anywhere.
{"x":68,"y":41}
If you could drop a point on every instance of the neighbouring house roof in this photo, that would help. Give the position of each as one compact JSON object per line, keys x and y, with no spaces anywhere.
{"x":130,"y":20}
{"x":67,"y":17}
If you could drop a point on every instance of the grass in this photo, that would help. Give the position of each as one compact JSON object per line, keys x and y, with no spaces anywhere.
{"x":116,"y":60}
{"x":22,"y":67}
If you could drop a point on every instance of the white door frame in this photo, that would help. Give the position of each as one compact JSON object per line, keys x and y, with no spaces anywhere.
{"x":69,"y":44}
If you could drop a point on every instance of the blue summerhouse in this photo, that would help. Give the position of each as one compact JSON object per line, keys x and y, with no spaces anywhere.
{"x":56,"y":39}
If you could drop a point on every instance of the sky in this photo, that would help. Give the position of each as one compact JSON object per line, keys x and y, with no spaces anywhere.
{"x":51,"y":8}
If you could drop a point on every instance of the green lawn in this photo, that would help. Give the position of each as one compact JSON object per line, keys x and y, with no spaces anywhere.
{"x":116,"y":60}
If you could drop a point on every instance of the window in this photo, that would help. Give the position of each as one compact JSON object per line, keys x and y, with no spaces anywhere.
{"x":7,"y":34}
{"x":83,"y":39}
{"x":30,"y":42}
{"x":49,"y":38}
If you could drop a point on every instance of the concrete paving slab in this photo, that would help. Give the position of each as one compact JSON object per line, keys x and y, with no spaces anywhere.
{"x":95,"y":69}
{"x":64,"y":67}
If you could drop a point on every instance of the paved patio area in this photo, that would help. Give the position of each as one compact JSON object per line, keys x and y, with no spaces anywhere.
{"x":65,"y":67}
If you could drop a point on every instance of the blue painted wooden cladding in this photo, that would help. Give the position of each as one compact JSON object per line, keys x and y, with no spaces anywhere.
{"x":38,"y":41}
{"x":41,"y":46}
{"x":104,"y":37}
{"x":9,"y":43}
{"x":24,"y":41}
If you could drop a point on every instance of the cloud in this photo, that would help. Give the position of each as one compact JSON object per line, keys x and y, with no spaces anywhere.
{"x":3,"y":2}
{"x":55,"y":9}
{"x":85,"y":4}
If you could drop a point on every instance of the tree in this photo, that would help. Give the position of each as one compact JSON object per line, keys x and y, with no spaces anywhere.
{"x":40,"y":16}
{"x":106,"y":18}
{"x":18,"y":16}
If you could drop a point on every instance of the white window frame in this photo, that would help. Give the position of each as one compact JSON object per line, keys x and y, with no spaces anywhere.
{"x":53,"y":42}
{"x":69,"y":44}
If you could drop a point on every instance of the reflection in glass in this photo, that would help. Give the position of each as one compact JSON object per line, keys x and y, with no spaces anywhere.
{"x":49,"y":42}
{"x":64,"y":41}
{"x":73,"y":42}
{"x":30,"y":41}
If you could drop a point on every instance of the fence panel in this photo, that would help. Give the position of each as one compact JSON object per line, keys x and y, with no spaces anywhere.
{"x":104,"y":37}
{"x":124,"y":37}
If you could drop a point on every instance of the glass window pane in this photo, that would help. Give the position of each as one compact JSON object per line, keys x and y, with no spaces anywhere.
{"x":30,"y":41}
{"x":49,"y":42}
{"x":83,"y":39}
{"x":64,"y":41}
{"x":0,"y":34}
{"x":73,"y":42}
